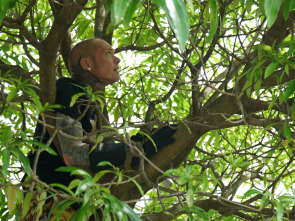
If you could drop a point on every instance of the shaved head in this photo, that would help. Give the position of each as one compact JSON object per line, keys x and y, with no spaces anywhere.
{"x":82,"y":49}
{"x":93,"y":62}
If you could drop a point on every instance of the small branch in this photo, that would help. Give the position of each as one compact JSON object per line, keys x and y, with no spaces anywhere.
{"x":216,"y":173}
{"x":31,"y":38}
{"x":27,"y":11}
{"x":138,"y":48}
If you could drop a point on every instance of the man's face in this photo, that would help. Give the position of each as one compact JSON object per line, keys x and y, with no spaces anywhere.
{"x":105,"y":64}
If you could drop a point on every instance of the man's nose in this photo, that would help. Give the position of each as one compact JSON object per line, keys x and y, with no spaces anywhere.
{"x":117,"y":60}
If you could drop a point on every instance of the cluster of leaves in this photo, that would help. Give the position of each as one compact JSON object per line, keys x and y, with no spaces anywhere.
{"x":94,"y":196}
{"x":15,"y":143}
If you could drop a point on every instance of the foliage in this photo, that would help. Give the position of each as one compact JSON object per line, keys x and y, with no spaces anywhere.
{"x":223,"y":70}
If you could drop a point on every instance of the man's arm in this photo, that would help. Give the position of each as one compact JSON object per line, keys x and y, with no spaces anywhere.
{"x":74,"y":151}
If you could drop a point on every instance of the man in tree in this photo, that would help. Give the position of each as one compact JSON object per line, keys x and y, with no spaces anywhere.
{"x":92,"y":63}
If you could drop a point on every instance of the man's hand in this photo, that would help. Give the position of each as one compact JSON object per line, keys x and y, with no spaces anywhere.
{"x":161,"y":138}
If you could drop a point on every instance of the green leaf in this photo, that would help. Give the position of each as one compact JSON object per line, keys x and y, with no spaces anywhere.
{"x":122,"y":208}
{"x":87,"y":195}
{"x":75,"y":98}
{"x":286,"y":9}
{"x":22,"y":158}
{"x":116,"y":113}
{"x":5,"y":5}
{"x":273,"y":100}
{"x":176,"y":14}
{"x":183,"y":180}
{"x":63,"y":187}
{"x":82,"y":215}
{"x":11,"y":94}
{"x":169,"y":172}
{"x":281,"y":97}
{"x":35,"y":98}
{"x":216,"y":140}
{"x":81,"y":172}
{"x":211,"y":213}
{"x":120,"y":178}
{"x":200,"y":214}
{"x":264,"y":201}
{"x":214,"y":20}
{"x":83,"y":186}
{"x":243,"y":164}
{"x":59,"y":208}
{"x":287,"y":69}
{"x":83,"y":25}
{"x":11,"y":198}
{"x":287,"y":199}
{"x":289,"y":90}
{"x":137,"y":185}
{"x":293,"y":110}
{"x":66,"y":169}
{"x":74,"y":171}
{"x":279,"y":210}
{"x":26,"y":204}
{"x":104,"y":163}
{"x":264,"y":47}
{"x":271,"y":8}
{"x":130,"y":11}
{"x":287,"y":131}
{"x":191,"y":6}
{"x":251,"y":192}
{"x":5,"y":161}
{"x":99,"y":175}
{"x":249,"y":4}
{"x":206,"y":13}
{"x":41,"y":145}
{"x":197,"y":210}
{"x":74,"y":184}
{"x":190,"y":197}
{"x":270,"y":69}
{"x":5,"y":134}
{"x":119,"y":8}
{"x":106,"y":190}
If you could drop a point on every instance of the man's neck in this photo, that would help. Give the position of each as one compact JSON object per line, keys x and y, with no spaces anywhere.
{"x":88,"y":78}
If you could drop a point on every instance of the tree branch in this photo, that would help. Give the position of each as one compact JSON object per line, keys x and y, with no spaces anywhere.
{"x":17,"y":72}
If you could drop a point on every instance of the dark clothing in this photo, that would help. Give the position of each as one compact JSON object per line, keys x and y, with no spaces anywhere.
{"x":47,"y":163}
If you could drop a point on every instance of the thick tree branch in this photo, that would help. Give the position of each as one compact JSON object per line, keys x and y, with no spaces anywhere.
{"x":26,"y":11}
{"x":99,"y":19}
{"x":223,"y":206}
{"x":17,"y":72}
{"x":64,"y":18}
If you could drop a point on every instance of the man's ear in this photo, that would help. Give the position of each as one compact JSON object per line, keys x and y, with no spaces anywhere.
{"x":85,"y":63}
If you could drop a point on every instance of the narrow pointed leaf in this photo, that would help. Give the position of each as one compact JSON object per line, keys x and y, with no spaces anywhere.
{"x":176,"y":14}
{"x":271,"y":8}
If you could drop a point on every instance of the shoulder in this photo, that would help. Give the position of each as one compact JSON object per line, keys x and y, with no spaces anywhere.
{"x":68,"y":86}
{"x":67,"y":82}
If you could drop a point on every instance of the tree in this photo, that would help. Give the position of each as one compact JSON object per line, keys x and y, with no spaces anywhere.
{"x":230,"y":89}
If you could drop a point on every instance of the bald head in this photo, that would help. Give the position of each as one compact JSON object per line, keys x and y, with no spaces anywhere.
{"x":94,"y":63}
{"x":86,"y":49}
